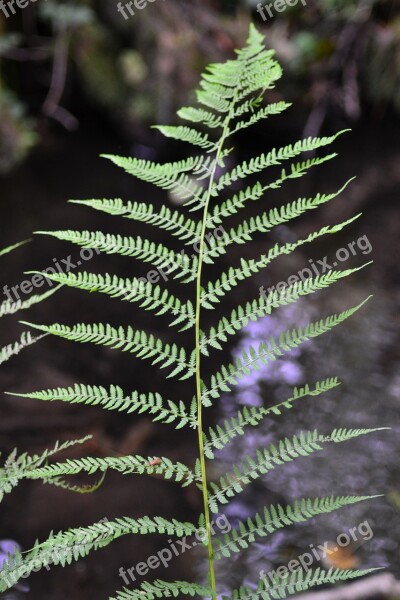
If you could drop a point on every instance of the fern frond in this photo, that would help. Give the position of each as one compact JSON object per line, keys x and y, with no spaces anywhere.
{"x":114,"y":398}
{"x":230,"y":96}
{"x":272,"y":158}
{"x":187,"y":134}
{"x":163,"y":589}
{"x":257,"y":190}
{"x":293,"y":583}
{"x":252,"y":468}
{"x":178,"y":224}
{"x":67,"y":546}
{"x":127,"y":340}
{"x":15,"y":348}
{"x":218,"y":289}
{"x":269,"y":220}
{"x":9,"y":308}
{"x":264,"y":305}
{"x":156,"y":254}
{"x":222,"y":435}
{"x":18,"y":467}
{"x":147,"y":295}
{"x":169,"y":176}
{"x":139,"y":465}
{"x":223,"y":380}
{"x":275,"y":108}
{"x":199,"y":115}
{"x":277,"y":517}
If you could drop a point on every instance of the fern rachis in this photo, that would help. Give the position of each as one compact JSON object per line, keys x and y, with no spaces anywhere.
{"x":230,"y":97}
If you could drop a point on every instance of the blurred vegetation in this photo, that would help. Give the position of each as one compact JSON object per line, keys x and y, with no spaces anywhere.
{"x":60,"y":59}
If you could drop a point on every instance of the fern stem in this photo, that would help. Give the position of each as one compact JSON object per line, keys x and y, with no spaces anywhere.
{"x":198,"y":355}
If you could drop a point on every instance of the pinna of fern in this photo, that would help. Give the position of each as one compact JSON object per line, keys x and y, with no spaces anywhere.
{"x":229,"y":99}
{"x":9,"y":307}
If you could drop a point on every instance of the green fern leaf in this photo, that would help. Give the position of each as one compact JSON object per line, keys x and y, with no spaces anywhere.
{"x":265,"y":304}
{"x":140,"y":465}
{"x":199,"y":115}
{"x":144,"y":293}
{"x":272,"y":109}
{"x":8,"y":249}
{"x":252,"y":468}
{"x":274,"y":518}
{"x":136,"y":342}
{"x":15,"y":348}
{"x":228,"y":280}
{"x":222,"y":435}
{"x":169,"y":176}
{"x":68,"y":546}
{"x":176,"y":223}
{"x":187,"y":134}
{"x":272,"y":158}
{"x":163,"y":589}
{"x":230,"y":98}
{"x":257,"y":190}
{"x":275,"y":217}
{"x":156,"y":254}
{"x":114,"y":398}
{"x":9,"y":308}
{"x":19,"y":467}
{"x":294,"y":583}
{"x":223,"y":380}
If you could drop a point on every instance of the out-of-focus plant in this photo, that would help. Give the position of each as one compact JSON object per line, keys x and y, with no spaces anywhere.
{"x":17,"y":132}
{"x":340,"y":56}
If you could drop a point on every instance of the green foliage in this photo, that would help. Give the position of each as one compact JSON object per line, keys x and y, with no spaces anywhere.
{"x":15,"y":348}
{"x":296,"y":583}
{"x":222,"y":435}
{"x":177,"y":224}
{"x":142,"y":249}
{"x":152,"y":465}
{"x":8,"y":307}
{"x":147,"y":295}
{"x":274,"y":518}
{"x":286,"y":450}
{"x":13,"y":247}
{"x":114,"y":398}
{"x":230,"y":98}
{"x":67,"y":546}
{"x":163,"y":589}
{"x":17,"y":467}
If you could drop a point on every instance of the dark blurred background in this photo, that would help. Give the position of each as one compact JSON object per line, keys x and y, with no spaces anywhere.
{"x":78,"y":79}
